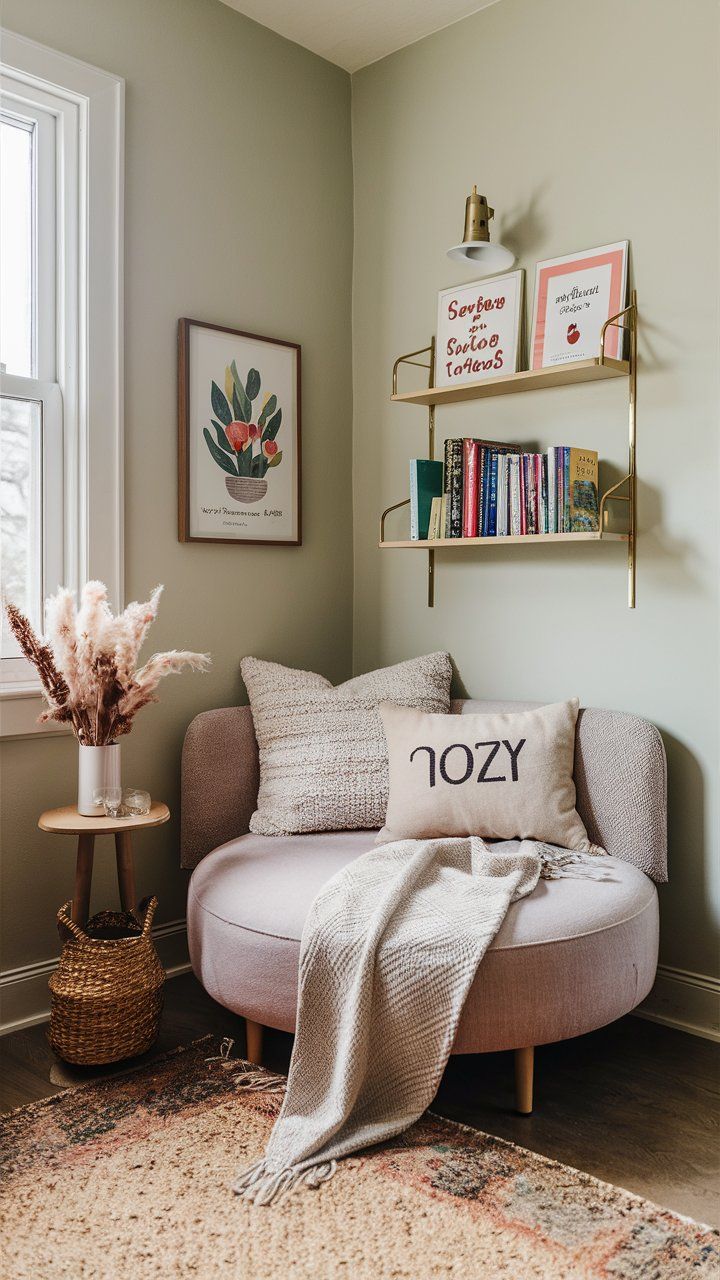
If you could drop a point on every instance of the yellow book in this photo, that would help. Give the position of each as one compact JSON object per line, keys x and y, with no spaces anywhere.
{"x":583,"y":491}
{"x":436,"y":525}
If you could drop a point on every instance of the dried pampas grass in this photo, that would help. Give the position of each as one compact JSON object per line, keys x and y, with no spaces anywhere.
{"x":87,"y":664}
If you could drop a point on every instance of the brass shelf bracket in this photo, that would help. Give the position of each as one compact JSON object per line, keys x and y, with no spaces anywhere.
{"x":428,"y":364}
{"x":395,"y":507}
{"x":421,"y":364}
{"x":628,"y":314}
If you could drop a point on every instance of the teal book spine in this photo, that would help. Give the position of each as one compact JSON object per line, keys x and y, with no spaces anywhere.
{"x":426,"y":483}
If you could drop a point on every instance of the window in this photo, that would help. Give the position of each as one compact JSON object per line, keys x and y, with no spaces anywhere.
{"x":60,"y":341}
{"x":31,"y":460}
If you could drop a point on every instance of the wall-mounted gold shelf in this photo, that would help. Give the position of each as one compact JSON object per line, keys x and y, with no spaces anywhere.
{"x":525,"y":539}
{"x":564,"y":375}
{"x":598,"y":369}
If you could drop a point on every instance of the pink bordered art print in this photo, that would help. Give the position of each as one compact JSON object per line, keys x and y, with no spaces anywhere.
{"x":574,"y":296}
{"x":238,"y":436}
{"x":479,"y":329}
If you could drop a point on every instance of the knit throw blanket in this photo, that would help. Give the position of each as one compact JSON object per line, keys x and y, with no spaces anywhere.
{"x":388,"y":953}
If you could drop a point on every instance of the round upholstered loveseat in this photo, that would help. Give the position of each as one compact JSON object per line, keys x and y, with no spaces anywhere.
{"x":573,"y":956}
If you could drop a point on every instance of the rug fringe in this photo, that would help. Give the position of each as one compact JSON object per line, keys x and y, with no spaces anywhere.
{"x":249,"y":1076}
{"x":256,"y":1079}
{"x":263,"y":1184}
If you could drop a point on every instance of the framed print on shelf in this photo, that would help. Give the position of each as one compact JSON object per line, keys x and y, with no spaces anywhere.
{"x":238,"y":436}
{"x":478,"y":329}
{"x":574,"y":296}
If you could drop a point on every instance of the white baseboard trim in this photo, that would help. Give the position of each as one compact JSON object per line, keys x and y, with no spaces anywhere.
{"x":684,"y":1000}
{"x":24,"y":995}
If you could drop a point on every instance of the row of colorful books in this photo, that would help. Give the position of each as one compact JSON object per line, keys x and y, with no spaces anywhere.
{"x":484,"y":489}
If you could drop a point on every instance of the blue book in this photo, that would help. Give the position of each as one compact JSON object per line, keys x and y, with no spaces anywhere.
{"x":552,"y":491}
{"x":559,"y":489}
{"x":488,"y":450}
{"x":492,"y":500}
{"x":487,"y":453}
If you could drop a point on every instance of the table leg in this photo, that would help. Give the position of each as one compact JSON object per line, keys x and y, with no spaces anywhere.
{"x":125,"y":870}
{"x":83,"y":879}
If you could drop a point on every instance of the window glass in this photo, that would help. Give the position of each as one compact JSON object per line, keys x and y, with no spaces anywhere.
{"x":16,"y":247}
{"x":21,"y":508}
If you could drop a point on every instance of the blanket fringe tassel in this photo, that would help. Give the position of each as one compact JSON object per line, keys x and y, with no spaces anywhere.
{"x":262,"y":1184}
{"x":559,"y":864}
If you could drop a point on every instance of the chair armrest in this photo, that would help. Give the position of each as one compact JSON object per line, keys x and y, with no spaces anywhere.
{"x":220,"y":778}
{"x":621,"y":782}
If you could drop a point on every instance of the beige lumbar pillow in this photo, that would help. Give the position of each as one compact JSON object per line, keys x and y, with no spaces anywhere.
{"x":323,"y":759}
{"x":502,"y":775}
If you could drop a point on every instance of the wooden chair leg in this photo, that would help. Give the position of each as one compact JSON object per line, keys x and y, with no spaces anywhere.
{"x":524,"y":1080}
{"x":254,"y":1038}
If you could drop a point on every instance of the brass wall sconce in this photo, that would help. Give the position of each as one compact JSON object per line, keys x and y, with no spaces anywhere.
{"x":476,"y":247}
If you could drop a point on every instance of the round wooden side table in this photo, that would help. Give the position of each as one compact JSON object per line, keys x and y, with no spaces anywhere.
{"x":67,"y":821}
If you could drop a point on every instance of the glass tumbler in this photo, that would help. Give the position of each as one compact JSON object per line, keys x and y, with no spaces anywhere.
{"x":136,"y":801}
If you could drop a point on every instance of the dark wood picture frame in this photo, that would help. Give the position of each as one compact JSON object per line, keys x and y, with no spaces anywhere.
{"x":184,"y":534}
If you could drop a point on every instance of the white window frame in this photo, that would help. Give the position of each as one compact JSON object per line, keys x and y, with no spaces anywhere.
{"x":88,"y":105}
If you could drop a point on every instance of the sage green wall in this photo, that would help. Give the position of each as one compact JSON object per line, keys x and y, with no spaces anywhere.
{"x":238,"y":210}
{"x":583,"y":123}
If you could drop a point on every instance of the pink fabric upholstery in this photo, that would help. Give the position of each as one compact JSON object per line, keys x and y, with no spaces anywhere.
{"x":220,"y":780}
{"x":573,"y":956}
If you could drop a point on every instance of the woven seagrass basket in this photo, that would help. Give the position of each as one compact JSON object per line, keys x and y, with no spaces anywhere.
{"x":107,"y":991}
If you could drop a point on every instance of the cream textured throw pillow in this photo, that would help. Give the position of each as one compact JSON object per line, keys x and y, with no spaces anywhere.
{"x":323,"y":759}
{"x":503,"y":775}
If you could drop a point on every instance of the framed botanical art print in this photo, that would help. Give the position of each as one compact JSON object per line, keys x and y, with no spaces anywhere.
{"x":478,"y":329}
{"x":574,"y":296}
{"x":238,"y":436}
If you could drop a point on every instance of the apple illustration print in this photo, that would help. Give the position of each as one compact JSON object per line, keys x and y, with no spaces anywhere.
{"x":573,"y":334}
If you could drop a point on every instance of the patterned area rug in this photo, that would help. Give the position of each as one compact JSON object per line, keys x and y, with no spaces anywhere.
{"x":132,"y":1175}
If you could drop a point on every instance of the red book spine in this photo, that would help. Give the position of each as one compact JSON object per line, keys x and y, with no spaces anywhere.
{"x":482,"y":451}
{"x":470,"y":489}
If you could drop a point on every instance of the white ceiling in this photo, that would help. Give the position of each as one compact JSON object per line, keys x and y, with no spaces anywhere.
{"x":353,"y":33}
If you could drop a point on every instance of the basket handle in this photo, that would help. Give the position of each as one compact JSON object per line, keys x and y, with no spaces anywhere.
{"x":149,"y":906}
{"x":67,"y":926}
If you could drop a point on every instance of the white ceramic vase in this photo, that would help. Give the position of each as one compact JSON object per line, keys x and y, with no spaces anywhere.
{"x":97,"y":767}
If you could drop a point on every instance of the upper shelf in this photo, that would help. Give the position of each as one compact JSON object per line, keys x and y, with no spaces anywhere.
{"x":526,"y":380}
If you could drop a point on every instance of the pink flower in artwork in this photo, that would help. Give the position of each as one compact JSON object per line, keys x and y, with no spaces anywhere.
{"x":238,"y":433}
{"x":270,"y":448}
{"x":254,"y":431}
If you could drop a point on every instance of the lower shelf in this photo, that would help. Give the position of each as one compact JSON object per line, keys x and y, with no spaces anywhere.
{"x":523,"y":539}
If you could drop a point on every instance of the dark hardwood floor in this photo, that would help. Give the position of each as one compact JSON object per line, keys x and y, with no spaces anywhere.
{"x":635,"y":1104}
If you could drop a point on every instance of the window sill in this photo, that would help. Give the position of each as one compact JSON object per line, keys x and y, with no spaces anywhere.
{"x":20,"y":706}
